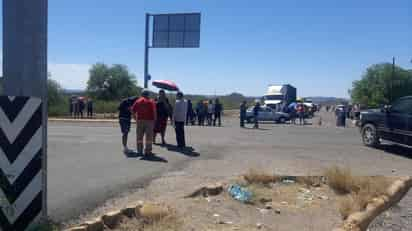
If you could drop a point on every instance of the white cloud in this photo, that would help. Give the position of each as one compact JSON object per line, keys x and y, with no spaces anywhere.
{"x":70,"y":76}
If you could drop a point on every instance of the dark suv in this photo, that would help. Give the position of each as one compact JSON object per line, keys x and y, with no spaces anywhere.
{"x":392,"y":123}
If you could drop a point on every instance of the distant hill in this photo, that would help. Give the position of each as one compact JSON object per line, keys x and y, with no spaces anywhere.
{"x":327,"y":100}
{"x":230,"y":101}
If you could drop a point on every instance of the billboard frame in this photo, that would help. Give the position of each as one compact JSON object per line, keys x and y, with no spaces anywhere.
{"x":149,"y":44}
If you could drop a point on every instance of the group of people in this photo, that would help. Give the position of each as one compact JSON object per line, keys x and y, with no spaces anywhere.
{"x":77,"y":105}
{"x":298,"y":111}
{"x":151,"y":116}
{"x":206,"y":112}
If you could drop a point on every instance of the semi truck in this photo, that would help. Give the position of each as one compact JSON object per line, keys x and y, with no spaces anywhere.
{"x":278,"y":96}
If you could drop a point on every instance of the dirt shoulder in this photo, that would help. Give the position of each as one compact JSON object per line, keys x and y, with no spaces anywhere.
{"x":223,"y":212}
{"x":276,"y":149}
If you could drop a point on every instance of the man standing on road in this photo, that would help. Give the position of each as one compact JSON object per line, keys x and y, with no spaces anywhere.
{"x":190,"y":113}
{"x":125,"y":117}
{"x":256,"y":110}
{"x":210,"y":112}
{"x":218,"y":113}
{"x":243,"y":108}
{"x":71,"y":106}
{"x":179,"y":118}
{"x":199,"y":113}
{"x":164,"y":111}
{"x":300,"y":108}
{"x":81,"y":107}
{"x":89,"y":108}
{"x":144,"y":111}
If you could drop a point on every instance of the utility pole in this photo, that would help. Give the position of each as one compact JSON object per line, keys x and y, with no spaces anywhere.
{"x":25,"y":60}
{"x":146,"y":52}
{"x":393,"y":77}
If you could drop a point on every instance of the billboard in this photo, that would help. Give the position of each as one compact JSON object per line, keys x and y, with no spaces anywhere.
{"x":176,"y":30}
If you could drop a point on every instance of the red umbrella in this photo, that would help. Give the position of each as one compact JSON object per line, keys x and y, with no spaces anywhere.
{"x":165,"y":84}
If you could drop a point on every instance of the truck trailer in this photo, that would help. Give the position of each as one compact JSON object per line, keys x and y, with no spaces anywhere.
{"x":280,"y":95}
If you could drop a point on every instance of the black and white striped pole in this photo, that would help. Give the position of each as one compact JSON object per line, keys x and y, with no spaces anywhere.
{"x":23,"y":115}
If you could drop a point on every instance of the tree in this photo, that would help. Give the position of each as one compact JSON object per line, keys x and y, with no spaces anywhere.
{"x":111,"y":83}
{"x":54,"y":92}
{"x":380,"y":86}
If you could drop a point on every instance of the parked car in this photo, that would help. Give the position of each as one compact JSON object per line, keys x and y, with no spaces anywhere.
{"x":267,"y":114}
{"x":392,"y":123}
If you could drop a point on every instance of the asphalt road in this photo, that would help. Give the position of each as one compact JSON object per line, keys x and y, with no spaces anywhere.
{"x":86,"y":165}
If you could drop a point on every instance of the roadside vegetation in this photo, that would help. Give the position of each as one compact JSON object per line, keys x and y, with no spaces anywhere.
{"x":381,"y":85}
{"x":356,"y":191}
{"x":107,"y":85}
{"x":353,"y":192}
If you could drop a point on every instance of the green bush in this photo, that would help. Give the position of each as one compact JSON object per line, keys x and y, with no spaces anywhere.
{"x":100,"y":107}
{"x":106,"y":106}
{"x":58,"y":110}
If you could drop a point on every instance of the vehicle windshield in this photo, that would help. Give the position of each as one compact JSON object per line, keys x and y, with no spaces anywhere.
{"x":274,"y":97}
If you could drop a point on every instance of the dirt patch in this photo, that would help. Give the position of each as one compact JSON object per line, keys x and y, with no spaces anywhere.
{"x":157,"y":220}
{"x":274,"y":206}
{"x":276,"y":203}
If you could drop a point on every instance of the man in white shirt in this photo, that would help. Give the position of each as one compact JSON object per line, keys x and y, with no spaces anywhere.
{"x":179,"y":118}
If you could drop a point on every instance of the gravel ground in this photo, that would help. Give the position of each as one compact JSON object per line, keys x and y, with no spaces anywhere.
{"x":398,"y":218}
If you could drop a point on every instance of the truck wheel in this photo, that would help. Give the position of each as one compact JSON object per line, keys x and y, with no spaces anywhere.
{"x":369,"y":135}
{"x":249,"y":120}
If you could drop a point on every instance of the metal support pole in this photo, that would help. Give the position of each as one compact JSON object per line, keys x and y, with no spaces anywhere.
{"x":392,"y":79}
{"x":146,"y":52}
{"x":25,"y":59}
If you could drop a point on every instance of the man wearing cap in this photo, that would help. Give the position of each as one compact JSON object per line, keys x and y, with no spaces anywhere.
{"x":144,"y":111}
{"x":125,"y":117}
{"x":179,"y":119}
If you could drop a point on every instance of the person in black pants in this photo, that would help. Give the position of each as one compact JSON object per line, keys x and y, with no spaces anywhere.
{"x":179,"y":118}
{"x":256,"y":110}
{"x":218,"y":112}
{"x":89,"y":108}
{"x":81,"y":107}
{"x":243,"y":108}
{"x":71,"y":107}
{"x":190,"y":113}
{"x":201,"y":111}
{"x":125,"y":118}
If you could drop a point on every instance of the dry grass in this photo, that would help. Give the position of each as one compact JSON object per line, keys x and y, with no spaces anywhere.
{"x":260,"y":194}
{"x":340,"y":180}
{"x":359,"y":191}
{"x":168,"y":222}
{"x":255,"y":176}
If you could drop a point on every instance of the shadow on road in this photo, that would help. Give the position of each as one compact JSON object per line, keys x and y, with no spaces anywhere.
{"x":133,"y":155}
{"x":153,"y":158}
{"x":261,"y":129}
{"x":397,"y":150}
{"x":187,"y":151}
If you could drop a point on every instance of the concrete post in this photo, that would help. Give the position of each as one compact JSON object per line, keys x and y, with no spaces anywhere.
{"x":25,"y":58}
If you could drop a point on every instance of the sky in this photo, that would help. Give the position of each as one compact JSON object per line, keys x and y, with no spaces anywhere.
{"x":319,"y":46}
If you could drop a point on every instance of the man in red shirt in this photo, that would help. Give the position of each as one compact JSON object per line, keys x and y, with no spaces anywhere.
{"x":144,"y":112}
